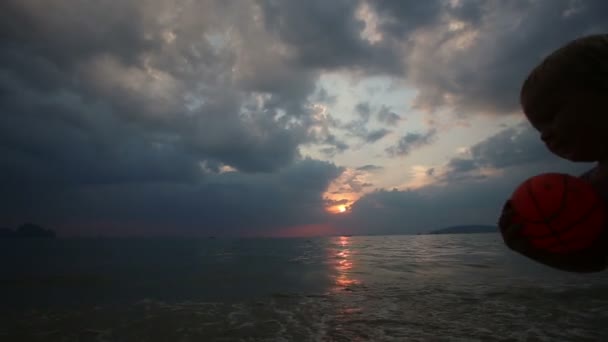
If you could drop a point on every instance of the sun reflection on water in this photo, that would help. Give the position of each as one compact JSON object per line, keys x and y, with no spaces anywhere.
{"x":343,"y":263}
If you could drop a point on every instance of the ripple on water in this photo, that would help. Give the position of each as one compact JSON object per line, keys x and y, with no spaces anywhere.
{"x":380,"y":289}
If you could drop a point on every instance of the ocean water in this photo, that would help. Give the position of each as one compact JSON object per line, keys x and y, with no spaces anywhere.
{"x":381,"y":288}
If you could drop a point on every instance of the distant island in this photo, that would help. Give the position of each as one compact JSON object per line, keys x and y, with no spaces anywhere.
{"x":471,"y":229}
{"x":27,"y":230}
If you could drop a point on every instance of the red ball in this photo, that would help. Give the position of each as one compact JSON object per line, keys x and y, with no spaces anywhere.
{"x":560,"y":213}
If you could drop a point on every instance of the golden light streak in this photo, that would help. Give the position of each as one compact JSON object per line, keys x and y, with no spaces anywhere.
{"x":346,"y":190}
{"x":344,"y":264}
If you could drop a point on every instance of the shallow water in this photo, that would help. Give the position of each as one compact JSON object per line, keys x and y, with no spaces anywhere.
{"x":382,"y":288}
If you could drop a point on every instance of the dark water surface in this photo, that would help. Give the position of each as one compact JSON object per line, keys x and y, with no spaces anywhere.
{"x":384,"y":288}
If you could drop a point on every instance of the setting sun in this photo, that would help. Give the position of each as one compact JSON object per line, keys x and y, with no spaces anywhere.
{"x":338,"y":209}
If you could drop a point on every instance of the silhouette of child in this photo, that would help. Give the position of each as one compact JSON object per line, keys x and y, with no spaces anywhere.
{"x":565,"y":99}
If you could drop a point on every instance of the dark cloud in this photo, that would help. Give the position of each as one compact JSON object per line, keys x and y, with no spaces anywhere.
{"x":327,"y":35}
{"x":46,"y":39}
{"x":323,"y":136}
{"x":323,"y":96}
{"x":230,"y":203}
{"x":355,"y":128}
{"x":469,"y":55}
{"x":155,"y":81}
{"x":363,"y":110}
{"x":129,"y":114}
{"x":61,"y":139}
{"x":479,"y":62}
{"x":411,"y":141}
{"x":337,"y":146}
{"x":458,"y":165}
{"x":511,"y":147}
{"x":370,"y":168}
{"x":358,"y":127}
{"x":386,"y":116}
{"x":399,"y":18}
{"x":376,"y":135}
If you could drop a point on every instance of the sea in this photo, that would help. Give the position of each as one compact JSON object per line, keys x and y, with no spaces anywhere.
{"x":466,"y":287}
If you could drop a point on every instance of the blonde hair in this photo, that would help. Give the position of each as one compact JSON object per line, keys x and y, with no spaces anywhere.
{"x":580,"y":64}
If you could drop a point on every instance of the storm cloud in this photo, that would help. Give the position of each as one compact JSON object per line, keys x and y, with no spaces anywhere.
{"x":180,"y":117}
{"x":476,"y":60}
{"x":512,"y":147}
{"x":223,"y":204}
{"x":411,"y":141}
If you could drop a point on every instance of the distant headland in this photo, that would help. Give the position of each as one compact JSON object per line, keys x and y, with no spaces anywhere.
{"x":27,"y":230}
{"x":471,"y":229}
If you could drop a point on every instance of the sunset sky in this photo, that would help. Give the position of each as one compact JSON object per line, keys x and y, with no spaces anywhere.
{"x":271,"y":118}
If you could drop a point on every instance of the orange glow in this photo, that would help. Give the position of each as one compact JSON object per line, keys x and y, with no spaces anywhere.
{"x":343,"y":206}
{"x":337,"y":209}
{"x":338,"y":194}
{"x":346,"y":190}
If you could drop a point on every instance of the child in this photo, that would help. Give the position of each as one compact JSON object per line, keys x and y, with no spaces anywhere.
{"x":565,"y":98}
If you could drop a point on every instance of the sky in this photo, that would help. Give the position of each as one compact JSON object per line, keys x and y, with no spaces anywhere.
{"x":271,"y":118}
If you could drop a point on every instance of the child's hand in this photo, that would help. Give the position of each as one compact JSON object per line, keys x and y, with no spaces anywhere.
{"x":589,"y":260}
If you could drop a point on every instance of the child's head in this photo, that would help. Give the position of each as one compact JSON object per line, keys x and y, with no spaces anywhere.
{"x":566,"y":99}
